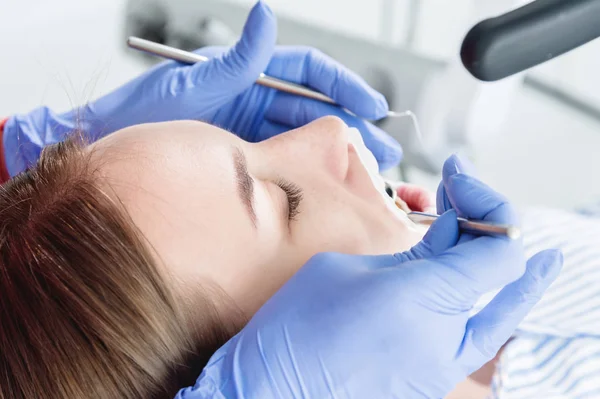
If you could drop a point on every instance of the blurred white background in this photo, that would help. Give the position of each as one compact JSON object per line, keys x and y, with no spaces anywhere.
{"x":62,"y":53}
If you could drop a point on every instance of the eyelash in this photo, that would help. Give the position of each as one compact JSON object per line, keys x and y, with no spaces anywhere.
{"x":294,"y":197}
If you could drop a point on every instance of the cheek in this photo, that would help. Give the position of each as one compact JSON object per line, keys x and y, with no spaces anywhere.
{"x":331,"y":225}
{"x":350,"y":225}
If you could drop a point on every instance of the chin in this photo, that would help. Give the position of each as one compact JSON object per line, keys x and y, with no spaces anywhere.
{"x":404,"y":242}
{"x":394,"y":236}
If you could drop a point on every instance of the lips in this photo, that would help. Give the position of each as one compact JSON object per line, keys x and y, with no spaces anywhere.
{"x":416,"y":198}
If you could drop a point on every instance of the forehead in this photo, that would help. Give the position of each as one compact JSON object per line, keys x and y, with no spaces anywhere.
{"x":177,"y":183}
{"x":172,"y":169}
{"x":162,"y":139}
{"x":161,"y":155}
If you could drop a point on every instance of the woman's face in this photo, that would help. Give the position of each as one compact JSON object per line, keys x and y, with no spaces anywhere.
{"x":247,"y":216}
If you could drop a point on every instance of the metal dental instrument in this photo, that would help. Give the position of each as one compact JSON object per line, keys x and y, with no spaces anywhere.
{"x":466,"y":226}
{"x":471,"y":226}
{"x":264,"y":80}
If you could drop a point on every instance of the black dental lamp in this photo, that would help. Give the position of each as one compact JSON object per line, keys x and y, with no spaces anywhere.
{"x":528,"y":36}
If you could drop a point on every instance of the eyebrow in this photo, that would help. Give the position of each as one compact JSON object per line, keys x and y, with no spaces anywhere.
{"x":245,"y":183}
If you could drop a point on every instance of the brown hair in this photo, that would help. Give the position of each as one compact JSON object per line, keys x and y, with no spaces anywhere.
{"x":84,"y":308}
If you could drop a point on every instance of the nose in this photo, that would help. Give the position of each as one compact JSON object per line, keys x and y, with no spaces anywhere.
{"x":321,"y":145}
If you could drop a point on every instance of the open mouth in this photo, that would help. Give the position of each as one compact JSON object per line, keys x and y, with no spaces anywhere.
{"x":393,"y":194}
{"x":409,"y":197}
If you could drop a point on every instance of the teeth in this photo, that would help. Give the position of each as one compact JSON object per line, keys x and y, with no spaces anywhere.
{"x":370,"y":163}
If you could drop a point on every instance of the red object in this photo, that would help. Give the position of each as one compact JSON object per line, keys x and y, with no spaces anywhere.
{"x":416,"y":197}
{"x":4,"y":176}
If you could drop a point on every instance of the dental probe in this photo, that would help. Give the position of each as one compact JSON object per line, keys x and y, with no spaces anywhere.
{"x":264,"y":80}
{"x":466,"y":226}
{"x":471,"y":226}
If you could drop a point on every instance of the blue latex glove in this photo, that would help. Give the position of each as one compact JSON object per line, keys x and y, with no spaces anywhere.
{"x":222,"y":92}
{"x":387,"y":326}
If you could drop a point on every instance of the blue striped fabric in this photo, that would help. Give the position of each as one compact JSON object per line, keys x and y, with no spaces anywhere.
{"x":556,"y":351}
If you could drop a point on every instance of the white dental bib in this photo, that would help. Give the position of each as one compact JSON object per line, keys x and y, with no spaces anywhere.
{"x":370,"y":163}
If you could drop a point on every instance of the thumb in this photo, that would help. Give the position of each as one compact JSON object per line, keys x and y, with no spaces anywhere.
{"x":489,"y":329}
{"x":453,"y":165}
{"x":442,"y":235}
{"x":237,"y":69}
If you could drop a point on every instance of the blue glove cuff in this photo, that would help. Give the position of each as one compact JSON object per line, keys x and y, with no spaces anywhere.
{"x":26,"y":135}
{"x":210,"y":382}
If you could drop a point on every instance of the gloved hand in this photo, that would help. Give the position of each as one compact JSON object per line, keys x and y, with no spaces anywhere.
{"x":220,"y":91}
{"x":387,"y":326}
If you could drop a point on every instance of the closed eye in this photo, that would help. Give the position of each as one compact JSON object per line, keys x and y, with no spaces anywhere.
{"x":294,"y":197}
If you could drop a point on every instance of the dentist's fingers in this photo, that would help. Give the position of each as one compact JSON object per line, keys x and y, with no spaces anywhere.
{"x":442,"y":202}
{"x":270,"y":129}
{"x":474,"y":200}
{"x":295,"y":111}
{"x":239,"y":67}
{"x":453,"y":165}
{"x":491,"y":328}
{"x":482,"y":263}
{"x":441,"y":236}
{"x":450,"y":168}
{"x":310,"y":67}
